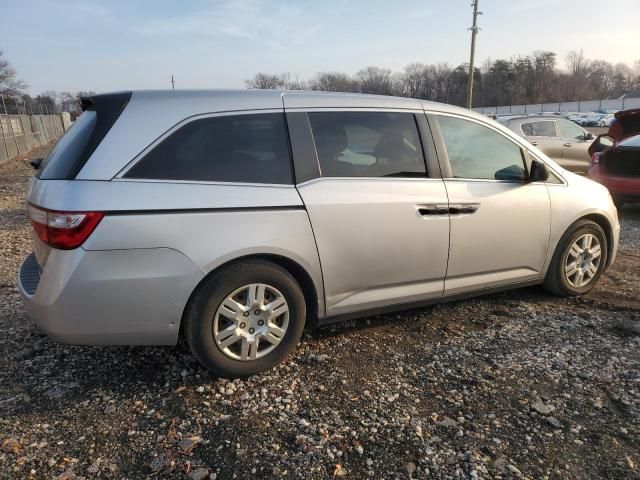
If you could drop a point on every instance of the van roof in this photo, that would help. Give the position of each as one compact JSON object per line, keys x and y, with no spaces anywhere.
{"x":271,"y":98}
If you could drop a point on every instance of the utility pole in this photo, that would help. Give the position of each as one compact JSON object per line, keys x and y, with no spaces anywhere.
{"x":173,"y":83}
{"x":474,"y":31}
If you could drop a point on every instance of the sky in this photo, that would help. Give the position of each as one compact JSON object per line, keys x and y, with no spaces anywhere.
{"x":138,"y":44}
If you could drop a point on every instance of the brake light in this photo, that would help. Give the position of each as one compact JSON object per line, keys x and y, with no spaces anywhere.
{"x":63,"y":230}
{"x":595,"y":158}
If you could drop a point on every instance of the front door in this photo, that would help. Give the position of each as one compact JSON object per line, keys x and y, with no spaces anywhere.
{"x":380,"y":223}
{"x":575,"y":148}
{"x":499,"y":222}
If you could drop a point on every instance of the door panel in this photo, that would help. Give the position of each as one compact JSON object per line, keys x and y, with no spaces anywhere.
{"x":504,"y":241}
{"x":575,"y":149}
{"x":381,"y":241}
{"x":575,"y":155}
{"x":550,"y":146}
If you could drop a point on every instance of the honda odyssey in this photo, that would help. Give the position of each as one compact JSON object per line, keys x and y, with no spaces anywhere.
{"x":232,"y":218}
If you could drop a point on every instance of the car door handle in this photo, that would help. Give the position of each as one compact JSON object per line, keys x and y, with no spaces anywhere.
{"x":567,"y":144}
{"x":534,"y":143}
{"x":463,"y":208}
{"x":433,"y":209}
{"x":453,"y":209}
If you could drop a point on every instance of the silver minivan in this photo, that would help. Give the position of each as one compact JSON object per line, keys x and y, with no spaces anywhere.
{"x":232,"y":218}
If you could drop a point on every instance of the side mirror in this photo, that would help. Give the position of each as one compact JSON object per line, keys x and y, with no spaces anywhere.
{"x":539,"y":172}
{"x":589,"y":136}
{"x":512,"y":173}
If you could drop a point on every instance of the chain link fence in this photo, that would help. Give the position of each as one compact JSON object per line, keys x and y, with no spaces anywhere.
{"x":22,"y":129}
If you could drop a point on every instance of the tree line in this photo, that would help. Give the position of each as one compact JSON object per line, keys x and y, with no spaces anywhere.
{"x":17,"y":101}
{"x":533,"y":78}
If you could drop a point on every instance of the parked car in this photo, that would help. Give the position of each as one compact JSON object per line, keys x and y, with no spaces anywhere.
{"x":616,"y":158}
{"x":234,"y":217}
{"x":563,"y":141}
{"x":577,"y":117}
{"x":606,"y":120}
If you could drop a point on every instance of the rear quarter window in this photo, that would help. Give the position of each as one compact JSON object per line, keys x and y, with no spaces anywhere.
{"x":61,"y":160}
{"x":249,"y":148}
{"x":76,"y":146}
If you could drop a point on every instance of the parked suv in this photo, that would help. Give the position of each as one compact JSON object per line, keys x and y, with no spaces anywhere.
{"x":562,"y":140}
{"x":234,"y":217}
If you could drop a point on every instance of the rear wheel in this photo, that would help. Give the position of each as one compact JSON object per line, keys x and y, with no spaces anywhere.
{"x":245,"y":318}
{"x":579,"y":260}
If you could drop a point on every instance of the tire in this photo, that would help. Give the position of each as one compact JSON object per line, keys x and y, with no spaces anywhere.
{"x":556,"y":280}
{"x":205,"y":313}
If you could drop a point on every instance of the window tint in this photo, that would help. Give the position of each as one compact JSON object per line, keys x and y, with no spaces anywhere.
{"x":69,"y":148}
{"x":543,"y":129}
{"x":74,"y":149}
{"x":240,"y":148}
{"x":570,"y":129}
{"x":367,"y":144}
{"x":478,"y":152}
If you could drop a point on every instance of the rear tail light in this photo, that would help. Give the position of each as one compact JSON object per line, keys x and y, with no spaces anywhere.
{"x":63,"y":230}
{"x":595,"y":158}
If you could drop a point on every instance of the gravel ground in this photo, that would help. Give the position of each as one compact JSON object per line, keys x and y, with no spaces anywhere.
{"x":513,"y":385}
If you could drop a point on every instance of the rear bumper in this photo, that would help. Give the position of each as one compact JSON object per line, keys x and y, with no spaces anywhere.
{"x":624,"y":188}
{"x":115,"y":297}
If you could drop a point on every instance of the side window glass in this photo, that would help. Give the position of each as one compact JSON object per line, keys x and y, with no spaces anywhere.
{"x":526,"y":129}
{"x":478,"y":152}
{"x":250,"y":148}
{"x":543,"y":129}
{"x":570,"y":130}
{"x":367,"y":144}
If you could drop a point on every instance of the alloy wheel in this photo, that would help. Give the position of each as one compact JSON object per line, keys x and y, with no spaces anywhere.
{"x":583,"y":260}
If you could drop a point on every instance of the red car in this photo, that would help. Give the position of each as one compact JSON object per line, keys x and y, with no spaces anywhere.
{"x":615,"y":158}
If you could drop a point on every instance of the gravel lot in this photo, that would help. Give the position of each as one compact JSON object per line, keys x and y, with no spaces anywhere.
{"x":513,"y":385}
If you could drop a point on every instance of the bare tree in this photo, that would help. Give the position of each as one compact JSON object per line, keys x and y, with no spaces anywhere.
{"x":375,"y":80}
{"x":263,"y":80}
{"x":577,"y":62}
{"x":10,"y":84}
{"x":70,"y":101}
{"x":333,"y":82}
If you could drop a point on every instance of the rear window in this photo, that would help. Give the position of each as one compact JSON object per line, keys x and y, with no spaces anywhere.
{"x":69,"y":148}
{"x":76,"y":146}
{"x":631,"y":142}
{"x":250,"y":148}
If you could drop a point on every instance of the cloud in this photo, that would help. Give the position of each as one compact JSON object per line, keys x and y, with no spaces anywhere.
{"x":251,"y":19}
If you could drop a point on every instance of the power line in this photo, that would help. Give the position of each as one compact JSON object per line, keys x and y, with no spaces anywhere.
{"x":474,"y":31}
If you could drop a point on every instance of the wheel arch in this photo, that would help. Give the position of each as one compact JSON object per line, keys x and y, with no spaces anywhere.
{"x":299,"y":273}
{"x":604,"y":223}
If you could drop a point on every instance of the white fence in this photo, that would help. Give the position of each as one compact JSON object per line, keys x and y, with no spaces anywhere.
{"x":581,"y":106}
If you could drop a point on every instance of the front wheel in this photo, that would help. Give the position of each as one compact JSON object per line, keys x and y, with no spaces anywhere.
{"x":245,"y":318}
{"x":579,"y":260}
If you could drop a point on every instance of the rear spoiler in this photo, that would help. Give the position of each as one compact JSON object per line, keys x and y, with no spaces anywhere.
{"x":106,"y":101}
